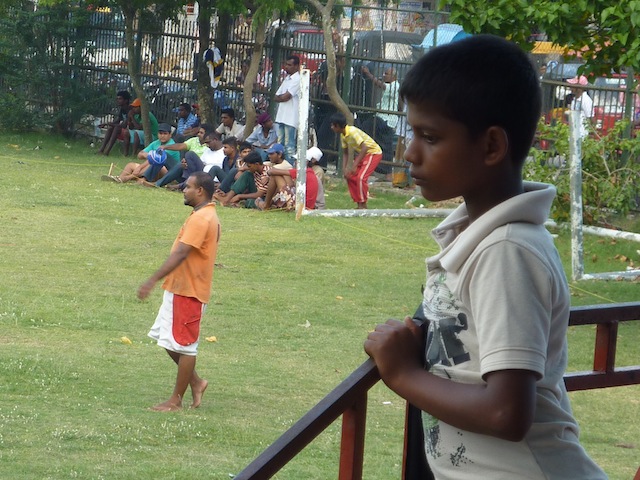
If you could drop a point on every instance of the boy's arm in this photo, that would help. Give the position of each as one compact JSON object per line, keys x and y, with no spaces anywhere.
{"x":171,"y":263}
{"x":175,"y":147}
{"x":502,"y":407}
{"x":278,"y":172}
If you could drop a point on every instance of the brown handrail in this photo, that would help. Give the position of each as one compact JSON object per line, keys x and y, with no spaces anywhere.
{"x":349,"y":399}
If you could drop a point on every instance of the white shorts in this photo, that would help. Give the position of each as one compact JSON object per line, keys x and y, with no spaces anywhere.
{"x":177,"y":329}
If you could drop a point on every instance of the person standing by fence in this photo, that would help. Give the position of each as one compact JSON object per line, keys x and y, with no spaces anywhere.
{"x":288,"y":99}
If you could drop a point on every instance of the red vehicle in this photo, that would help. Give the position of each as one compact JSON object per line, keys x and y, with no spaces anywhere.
{"x":309,"y":39}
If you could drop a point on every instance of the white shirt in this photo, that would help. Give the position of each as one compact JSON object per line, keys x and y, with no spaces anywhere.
{"x":236,"y":130}
{"x":583,"y":104}
{"x":288,"y":112}
{"x":211,"y":158}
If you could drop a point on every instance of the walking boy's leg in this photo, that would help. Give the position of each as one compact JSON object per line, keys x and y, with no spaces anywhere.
{"x":361,"y":176}
{"x":187,"y":376}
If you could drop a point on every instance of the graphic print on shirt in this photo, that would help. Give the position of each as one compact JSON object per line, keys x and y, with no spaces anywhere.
{"x":443,"y":348}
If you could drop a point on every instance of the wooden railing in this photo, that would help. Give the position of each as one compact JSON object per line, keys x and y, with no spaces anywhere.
{"x":349,"y":399}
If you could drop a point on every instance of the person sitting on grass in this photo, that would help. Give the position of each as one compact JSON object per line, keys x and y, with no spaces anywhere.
{"x":229,"y":127}
{"x":190,"y":151}
{"x":143,"y":170}
{"x":275,"y":154}
{"x":486,"y":370}
{"x":230,"y":149}
{"x":115,"y":128}
{"x":225,"y":185}
{"x":135,"y":132}
{"x":251,"y":185}
{"x":264,"y":135}
{"x":187,"y":123}
{"x":281,"y":191}
{"x":368,"y":156}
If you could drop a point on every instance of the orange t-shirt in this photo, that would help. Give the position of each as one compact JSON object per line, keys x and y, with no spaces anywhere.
{"x":192,"y":278}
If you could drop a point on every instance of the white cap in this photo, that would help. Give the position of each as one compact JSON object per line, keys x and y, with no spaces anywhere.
{"x":314,"y":153}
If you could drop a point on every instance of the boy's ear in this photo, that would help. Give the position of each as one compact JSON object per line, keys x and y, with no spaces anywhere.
{"x":497,"y":145}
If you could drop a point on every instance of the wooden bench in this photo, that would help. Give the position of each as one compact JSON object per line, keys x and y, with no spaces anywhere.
{"x":349,"y":399}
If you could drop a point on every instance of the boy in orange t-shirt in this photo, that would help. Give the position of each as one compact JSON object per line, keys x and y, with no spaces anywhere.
{"x":188,"y":271}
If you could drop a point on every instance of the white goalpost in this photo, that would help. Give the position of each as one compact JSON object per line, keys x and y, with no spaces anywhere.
{"x":575,"y":172}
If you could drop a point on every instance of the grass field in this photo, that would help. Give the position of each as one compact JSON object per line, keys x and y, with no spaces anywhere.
{"x":292,"y":303}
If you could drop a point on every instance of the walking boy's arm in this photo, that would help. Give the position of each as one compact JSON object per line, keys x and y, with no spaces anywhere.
{"x":171,"y":263}
{"x":502,"y":407}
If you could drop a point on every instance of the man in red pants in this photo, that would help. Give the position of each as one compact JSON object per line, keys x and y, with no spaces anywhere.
{"x":368,"y":156}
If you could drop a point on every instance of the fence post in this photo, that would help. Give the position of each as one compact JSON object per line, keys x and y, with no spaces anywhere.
{"x":575,"y":182}
{"x":303,"y":140}
{"x":352,"y":443}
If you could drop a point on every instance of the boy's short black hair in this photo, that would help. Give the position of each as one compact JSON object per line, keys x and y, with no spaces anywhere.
{"x":229,"y":111}
{"x":295,"y":58}
{"x":244,"y":145}
{"x":232,"y":141}
{"x":253,"y":157}
{"x":186,"y":107}
{"x":124,"y":94}
{"x":208,"y":129}
{"x":338,"y":119}
{"x":205,"y":181}
{"x":481,"y":81}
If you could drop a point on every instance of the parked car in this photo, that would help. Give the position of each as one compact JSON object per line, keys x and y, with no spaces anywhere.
{"x":306,"y":41}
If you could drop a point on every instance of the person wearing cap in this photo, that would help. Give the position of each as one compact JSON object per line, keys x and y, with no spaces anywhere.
{"x":250,"y":186}
{"x":134,"y":126}
{"x":276,"y":156}
{"x":281,"y":190}
{"x":582,"y":103}
{"x":187,"y":123}
{"x":264,"y":135}
{"x":143,"y":170}
{"x":314,"y":160}
{"x":155,"y":171}
{"x":229,"y":127}
{"x":192,"y":152}
{"x":287,"y":96}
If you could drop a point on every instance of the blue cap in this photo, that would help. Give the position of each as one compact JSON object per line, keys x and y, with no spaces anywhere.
{"x":276,"y":148}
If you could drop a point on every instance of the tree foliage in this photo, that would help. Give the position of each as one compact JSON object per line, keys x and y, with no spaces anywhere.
{"x":605,"y":33}
{"x":39,"y":51}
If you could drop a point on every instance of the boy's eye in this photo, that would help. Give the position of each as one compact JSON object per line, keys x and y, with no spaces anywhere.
{"x":428,"y":137}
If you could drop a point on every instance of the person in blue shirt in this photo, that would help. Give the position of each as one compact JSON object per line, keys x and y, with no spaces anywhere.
{"x":187,"y":123}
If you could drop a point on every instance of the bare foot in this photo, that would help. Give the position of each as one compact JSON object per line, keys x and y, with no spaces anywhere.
{"x":198,"y":391}
{"x":167,"y":406}
{"x":220,"y":198}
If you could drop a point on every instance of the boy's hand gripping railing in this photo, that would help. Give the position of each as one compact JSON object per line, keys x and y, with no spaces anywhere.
{"x":350,"y":398}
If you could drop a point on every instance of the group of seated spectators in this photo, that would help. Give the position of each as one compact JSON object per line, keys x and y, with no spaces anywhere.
{"x":253,"y":173}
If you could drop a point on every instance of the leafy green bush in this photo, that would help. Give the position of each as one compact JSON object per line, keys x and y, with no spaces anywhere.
{"x":610,"y":169}
{"x":40,"y":83}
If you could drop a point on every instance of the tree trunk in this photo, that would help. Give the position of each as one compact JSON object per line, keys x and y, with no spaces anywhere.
{"x":332,"y":89}
{"x":250,"y":80}
{"x":203,"y":84}
{"x":133,"y":66}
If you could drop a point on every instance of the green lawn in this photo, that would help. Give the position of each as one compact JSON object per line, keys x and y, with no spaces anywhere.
{"x":292,"y":303}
